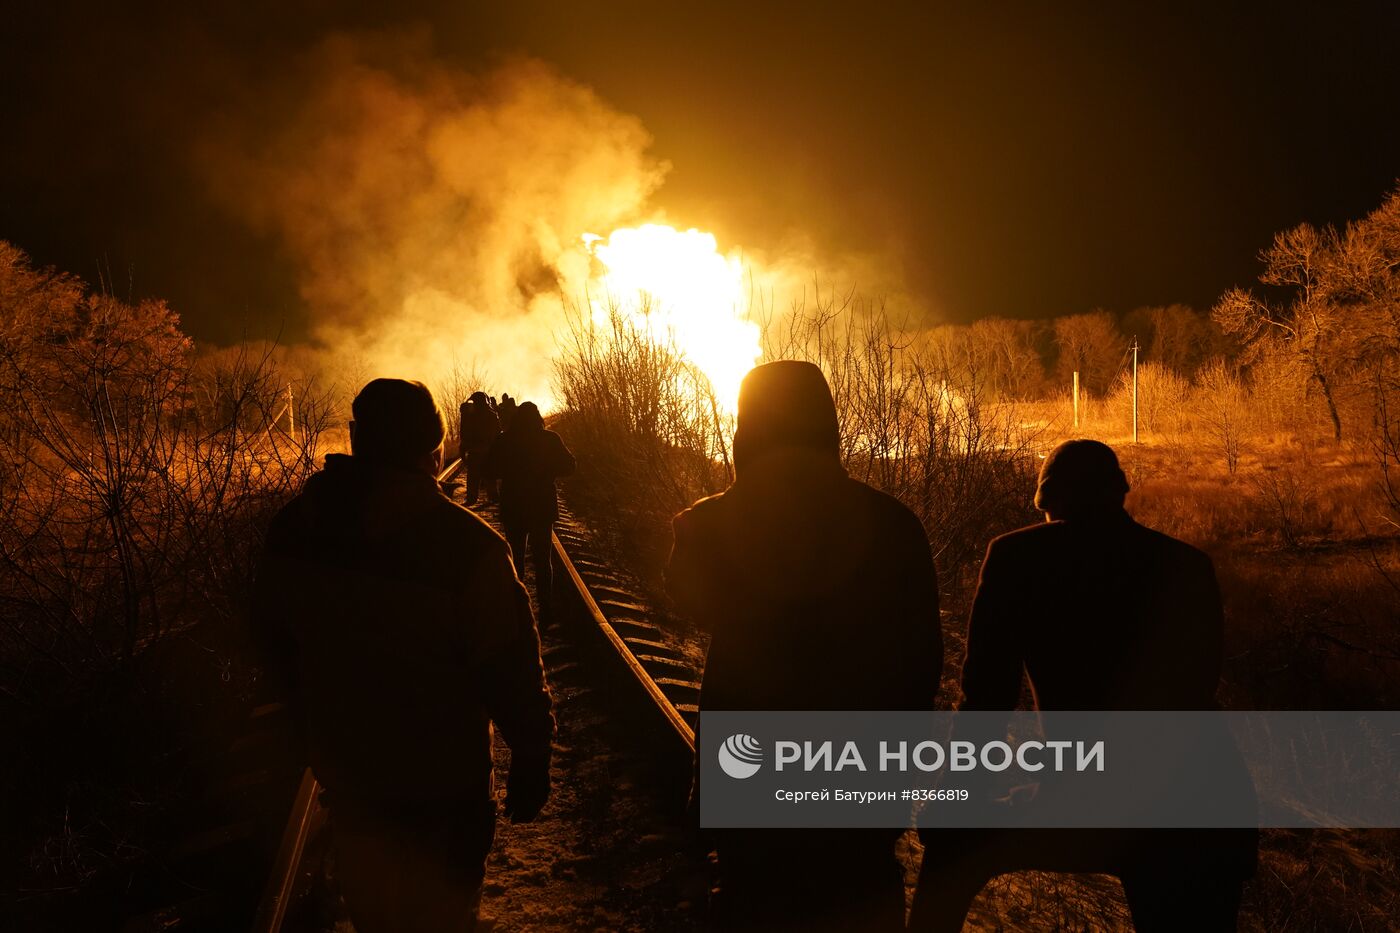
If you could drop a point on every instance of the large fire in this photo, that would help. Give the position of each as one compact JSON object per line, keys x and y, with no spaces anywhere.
{"x":677,"y":287}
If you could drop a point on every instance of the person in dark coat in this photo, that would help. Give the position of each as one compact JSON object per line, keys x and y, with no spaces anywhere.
{"x":820,"y":593}
{"x":506,"y":410}
{"x":401,"y":629}
{"x":1100,"y":613}
{"x":528,"y":459}
{"x":479,"y":428}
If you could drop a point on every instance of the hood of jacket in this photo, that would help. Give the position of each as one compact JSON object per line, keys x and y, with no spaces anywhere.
{"x":785,"y":405}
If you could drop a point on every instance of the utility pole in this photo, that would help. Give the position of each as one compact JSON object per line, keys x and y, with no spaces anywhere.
{"x":291,"y":413}
{"x":1076,"y":399}
{"x":1135,"y":389}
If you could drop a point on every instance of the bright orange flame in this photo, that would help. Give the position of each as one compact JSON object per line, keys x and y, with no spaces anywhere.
{"x":676,"y":286}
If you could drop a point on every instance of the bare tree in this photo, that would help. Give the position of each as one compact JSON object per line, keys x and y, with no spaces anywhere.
{"x":1176,"y":336}
{"x":1006,"y":352}
{"x":1091,"y":345}
{"x":1309,"y":321}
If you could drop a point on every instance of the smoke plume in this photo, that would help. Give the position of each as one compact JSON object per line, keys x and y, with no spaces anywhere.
{"x":434,"y":215}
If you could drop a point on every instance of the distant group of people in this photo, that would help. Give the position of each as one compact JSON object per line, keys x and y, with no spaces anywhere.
{"x":509,"y":452}
{"x":404,"y":632}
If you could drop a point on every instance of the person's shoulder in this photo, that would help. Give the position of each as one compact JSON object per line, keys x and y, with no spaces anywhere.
{"x":702,"y":513}
{"x":284,"y":522}
{"x":293,"y":516}
{"x":1039,"y":531}
{"x":1174,"y":549}
{"x":454,"y":524}
{"x":1041,"y":536}
{"x":466,"y":521}
{"x":886,"y":507}
{"x":706,"y":507}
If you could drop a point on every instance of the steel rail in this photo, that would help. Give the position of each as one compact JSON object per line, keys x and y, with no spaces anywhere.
{"x":679,"y":733}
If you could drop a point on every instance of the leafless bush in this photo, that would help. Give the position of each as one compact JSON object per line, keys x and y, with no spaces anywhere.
{"x":134,"y":478}
{"x":1288,"y":500}
{"x":1222,"y":406}
{"x":644,"y":423}
{"x":1162,"y":402}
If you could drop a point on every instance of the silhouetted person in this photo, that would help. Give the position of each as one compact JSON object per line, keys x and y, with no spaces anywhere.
{"x":1099,"y":613}
{"x":506,"y":410}
{"x":820,"y":593}
{"x":408,"y":634}
{"x":477,"y":432}
{"x":528,"y":458}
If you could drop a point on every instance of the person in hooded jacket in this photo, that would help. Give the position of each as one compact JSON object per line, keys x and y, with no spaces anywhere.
{"x":1099,"y":613}
{"x":478,"y":429}
{"x":402,"y":633}
{"x":820,"y":594}
{"x":527,"y":459}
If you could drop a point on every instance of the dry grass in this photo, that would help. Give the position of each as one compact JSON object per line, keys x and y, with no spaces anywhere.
{"x":1337,"y":881}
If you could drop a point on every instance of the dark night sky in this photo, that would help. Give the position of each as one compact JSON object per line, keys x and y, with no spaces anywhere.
{"x":1022,"y":161}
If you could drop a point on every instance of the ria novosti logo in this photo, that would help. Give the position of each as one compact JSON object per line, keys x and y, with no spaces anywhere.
{"x":740,"y":756}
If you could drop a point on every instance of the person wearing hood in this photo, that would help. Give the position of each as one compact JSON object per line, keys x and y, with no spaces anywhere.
{"x":527,"y":459}
{"x":477,"y":432}
{"x":397,"y":619}
{"x":1099,"y":613}
{"x":820,"y":594}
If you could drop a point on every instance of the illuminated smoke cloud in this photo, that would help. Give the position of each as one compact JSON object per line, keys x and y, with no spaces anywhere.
{"x":433,"y":215}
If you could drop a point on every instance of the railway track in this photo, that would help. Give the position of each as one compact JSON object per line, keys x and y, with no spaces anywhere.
{"x":643,"y":673}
